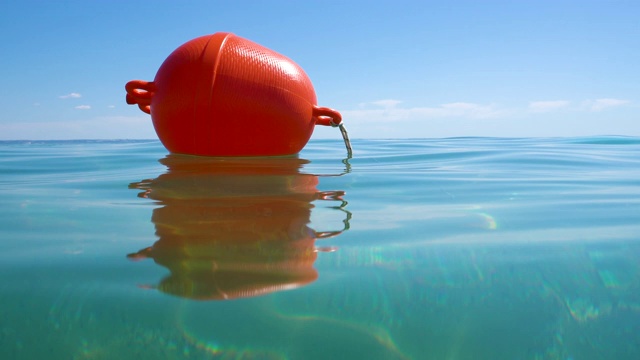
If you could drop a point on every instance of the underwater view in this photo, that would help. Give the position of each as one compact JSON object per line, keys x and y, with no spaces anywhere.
{"x":454,"y":248}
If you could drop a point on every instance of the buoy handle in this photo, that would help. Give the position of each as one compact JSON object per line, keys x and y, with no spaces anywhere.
{"x":329,"y":117}
{"x":140,"y":92}
{"x":326,"y":116}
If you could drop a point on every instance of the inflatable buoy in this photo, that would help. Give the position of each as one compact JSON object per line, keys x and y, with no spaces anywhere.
{"x":222,"y":95}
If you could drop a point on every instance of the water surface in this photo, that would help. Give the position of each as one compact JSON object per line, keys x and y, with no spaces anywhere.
{"x":461,"y":248}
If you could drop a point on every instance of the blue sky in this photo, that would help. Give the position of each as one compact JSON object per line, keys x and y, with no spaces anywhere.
{"x":395,"y":69}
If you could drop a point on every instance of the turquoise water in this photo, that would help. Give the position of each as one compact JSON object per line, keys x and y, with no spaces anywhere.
{"x":463,"y":248}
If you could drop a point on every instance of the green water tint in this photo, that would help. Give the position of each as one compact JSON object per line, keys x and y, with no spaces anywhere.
{"x":416,"y":249}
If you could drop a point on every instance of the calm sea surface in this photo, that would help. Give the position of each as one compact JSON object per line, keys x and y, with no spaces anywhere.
{"x":463,"y":248}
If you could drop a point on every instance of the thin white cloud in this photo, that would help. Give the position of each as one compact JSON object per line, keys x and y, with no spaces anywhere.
{"x":387,"y":110}
{"x":386,"y":103}
{"x":545,"y":106}
{"x":111,"y":127}
{"x":601,"y":104}
{"x":392,"y":118}
{"x":70,"y":96}
{"x":83,"y":107}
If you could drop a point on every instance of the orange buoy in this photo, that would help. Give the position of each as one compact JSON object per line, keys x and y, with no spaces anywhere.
{"x":223,"y":95}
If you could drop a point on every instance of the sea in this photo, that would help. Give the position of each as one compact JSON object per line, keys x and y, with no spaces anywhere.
{"x":454,"y":248}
